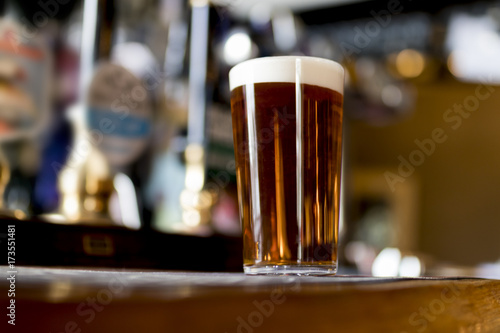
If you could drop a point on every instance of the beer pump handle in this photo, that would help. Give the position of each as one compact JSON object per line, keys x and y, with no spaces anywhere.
{"x":86,"y":184}
{"x":196,"y":203}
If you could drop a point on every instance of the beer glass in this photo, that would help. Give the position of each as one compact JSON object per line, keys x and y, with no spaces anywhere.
{"x":287,"y":131}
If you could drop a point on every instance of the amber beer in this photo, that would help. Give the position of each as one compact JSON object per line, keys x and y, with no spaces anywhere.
{"x":287,"y":130}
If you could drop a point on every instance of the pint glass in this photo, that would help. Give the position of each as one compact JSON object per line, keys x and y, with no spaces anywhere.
{"x":287,"y":131}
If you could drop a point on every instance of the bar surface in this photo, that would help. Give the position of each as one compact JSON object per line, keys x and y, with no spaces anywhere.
{"x":82,"y":300}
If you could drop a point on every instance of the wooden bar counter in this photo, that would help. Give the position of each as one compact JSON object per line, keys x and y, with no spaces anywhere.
{"x":80,"y":300}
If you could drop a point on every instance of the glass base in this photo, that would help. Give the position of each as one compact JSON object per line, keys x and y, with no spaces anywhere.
{"x":309,"y":270}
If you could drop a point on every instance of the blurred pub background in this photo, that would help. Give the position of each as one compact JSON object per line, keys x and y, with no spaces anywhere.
{"x":116,"y":139}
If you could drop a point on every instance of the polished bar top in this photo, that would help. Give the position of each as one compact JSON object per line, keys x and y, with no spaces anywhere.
{"x":84,"y":300}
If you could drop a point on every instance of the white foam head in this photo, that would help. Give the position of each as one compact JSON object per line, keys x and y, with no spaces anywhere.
{"x":306,"y":70}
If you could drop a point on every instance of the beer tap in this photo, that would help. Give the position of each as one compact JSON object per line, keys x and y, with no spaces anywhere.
{"x":109,"y":133}
{"x":25,"y":78}
{"x":196,"y":202}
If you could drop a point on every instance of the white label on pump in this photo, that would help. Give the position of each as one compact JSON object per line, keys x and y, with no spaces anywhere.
{"x":119,"y":114}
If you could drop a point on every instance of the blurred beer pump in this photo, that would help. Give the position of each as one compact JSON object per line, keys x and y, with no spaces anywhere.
{"x":196,"y":201}
{"x":25,"y":80}
{"x":112,"y":124}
